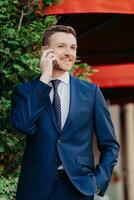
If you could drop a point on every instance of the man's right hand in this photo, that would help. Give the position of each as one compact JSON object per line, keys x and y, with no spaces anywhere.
{"x":46,"y":64}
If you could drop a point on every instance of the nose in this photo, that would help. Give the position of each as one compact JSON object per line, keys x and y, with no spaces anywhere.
{"x":68,"y":51}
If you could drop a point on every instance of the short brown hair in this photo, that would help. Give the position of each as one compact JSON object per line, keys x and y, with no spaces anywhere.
{"x":53,"y":29}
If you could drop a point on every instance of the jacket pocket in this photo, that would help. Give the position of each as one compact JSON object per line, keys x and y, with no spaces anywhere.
{"x":85,"y":164}
{"x":84,"y":161}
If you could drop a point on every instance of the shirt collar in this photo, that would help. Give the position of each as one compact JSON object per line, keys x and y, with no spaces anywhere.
{"x":63,"y":78}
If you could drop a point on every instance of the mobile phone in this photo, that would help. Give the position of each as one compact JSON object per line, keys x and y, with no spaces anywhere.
{"x":44,"y":48}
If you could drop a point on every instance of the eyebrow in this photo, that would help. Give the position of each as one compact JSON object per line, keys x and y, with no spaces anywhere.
{"x":65,"y":43}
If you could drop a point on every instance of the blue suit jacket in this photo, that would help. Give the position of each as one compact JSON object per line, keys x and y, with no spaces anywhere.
{"x":32,"y":114}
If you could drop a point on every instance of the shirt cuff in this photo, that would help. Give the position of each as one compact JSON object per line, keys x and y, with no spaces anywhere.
{"x":98,"y":191}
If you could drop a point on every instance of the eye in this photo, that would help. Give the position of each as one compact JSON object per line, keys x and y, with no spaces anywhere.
{"x":73,"y":47}
{"x":60,"y":46}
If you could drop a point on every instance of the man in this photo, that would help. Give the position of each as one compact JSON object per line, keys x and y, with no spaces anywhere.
{"x":59,"y":115}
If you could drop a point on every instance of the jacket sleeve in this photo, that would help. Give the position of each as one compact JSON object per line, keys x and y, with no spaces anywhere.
{"x":106,"y":142}
{"x":27,"y":104}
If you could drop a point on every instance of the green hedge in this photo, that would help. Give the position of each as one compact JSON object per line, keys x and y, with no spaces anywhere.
{"x":21,"y":31}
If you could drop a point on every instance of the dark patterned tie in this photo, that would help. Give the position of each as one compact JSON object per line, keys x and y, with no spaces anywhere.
{"x":57,"y":103}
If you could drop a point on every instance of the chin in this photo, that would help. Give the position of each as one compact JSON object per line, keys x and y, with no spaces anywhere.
{"x":64,"y":68}
{"x":67,"y":67}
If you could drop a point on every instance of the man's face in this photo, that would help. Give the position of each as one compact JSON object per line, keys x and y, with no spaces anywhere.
{"x":64,"y":46}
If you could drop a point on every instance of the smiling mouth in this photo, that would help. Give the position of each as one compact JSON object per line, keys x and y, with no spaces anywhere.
{"x":67,"y":61}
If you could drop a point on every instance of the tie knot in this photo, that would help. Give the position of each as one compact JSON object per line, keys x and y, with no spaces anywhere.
{"x":55,"y":83}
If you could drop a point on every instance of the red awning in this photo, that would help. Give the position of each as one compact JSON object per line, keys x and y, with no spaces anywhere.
{"x":114,"y":76}
{"x":95,"y":6}
{"x":106,"y":39}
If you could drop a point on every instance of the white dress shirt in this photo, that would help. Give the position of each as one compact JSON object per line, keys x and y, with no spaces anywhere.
{"x":64,"y":93}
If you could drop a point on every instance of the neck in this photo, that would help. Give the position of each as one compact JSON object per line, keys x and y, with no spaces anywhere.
{"x":57,"y":74}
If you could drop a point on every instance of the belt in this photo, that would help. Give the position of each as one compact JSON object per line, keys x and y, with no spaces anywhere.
{"x":61,"y":174}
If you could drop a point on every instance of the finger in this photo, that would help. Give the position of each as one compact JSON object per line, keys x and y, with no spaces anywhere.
{"x":50,"y":52}
{"x":50,"y":55}
{"x":47,"y":56}
{"x":51,"y":58}
{"x":47,"y":51}
{"x":44,"y":48}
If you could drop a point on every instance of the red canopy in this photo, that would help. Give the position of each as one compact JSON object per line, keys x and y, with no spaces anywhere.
{"x":105,"y":37}
{"x":94,"y":6}
{"x":114,"y":75}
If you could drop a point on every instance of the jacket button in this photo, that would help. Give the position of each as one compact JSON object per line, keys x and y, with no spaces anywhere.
{"x":59,"y":141}
{"x":56,"y":162}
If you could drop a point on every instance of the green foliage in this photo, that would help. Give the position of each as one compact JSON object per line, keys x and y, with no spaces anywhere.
{"x":82,"y":71}
{"x":8,"y":187}
{"x":21,"y":31}
{"x":50,"y":2}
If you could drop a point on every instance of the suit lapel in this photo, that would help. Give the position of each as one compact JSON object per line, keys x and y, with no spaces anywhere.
{"x":50,"y":110}
{"x":74,"y":88}
{"x":48,"y":106}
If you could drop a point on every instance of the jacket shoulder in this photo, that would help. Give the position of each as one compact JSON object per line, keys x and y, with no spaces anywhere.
{"x":86,"y":89}
{"x":24,"y":88}
{"x":87,"y":85}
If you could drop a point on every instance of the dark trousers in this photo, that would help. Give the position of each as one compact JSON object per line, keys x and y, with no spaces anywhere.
{"x":63,"y":189}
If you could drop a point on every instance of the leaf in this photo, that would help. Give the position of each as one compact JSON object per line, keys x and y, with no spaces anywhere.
{"x":19,"y":53}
